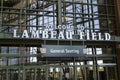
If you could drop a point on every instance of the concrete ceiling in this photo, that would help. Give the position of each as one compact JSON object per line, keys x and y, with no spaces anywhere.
{"x":9,"y":3}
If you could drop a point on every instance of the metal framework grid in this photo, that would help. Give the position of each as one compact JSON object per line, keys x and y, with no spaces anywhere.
{"x":24,"y":60}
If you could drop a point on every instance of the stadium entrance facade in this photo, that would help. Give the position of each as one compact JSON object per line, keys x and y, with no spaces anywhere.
{"x":59,"y":40}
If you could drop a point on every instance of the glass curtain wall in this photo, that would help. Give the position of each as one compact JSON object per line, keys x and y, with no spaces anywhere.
{"x":25,"y":63}
{"x":94,"y":15}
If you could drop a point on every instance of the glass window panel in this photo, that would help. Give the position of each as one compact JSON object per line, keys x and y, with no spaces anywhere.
{"x":111,"y":10}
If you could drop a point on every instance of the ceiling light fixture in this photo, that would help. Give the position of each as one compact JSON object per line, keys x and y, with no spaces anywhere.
{"x":5,"y":0}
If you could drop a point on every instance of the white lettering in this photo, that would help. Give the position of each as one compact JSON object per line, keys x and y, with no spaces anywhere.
{"x":25,"y":34}
{"x":107,"y":36}
{"x":88,"y":36}
{"x":72,"y":51}
{"x":70,"y":27}
{"x":69,"y":34}
{"x":59,"y":26}
{"x":53,"y":34}
{"x":61,"y":32}
{"x":63,"y":27}
{"x":100,"y":36}
{"x":57,"y":51}
{"x":15,"y":34}
{"x":82,"y":35}
{"x":94,"y":36}
{"x":49,"y":27}
{"x":61,"y":35}
{"x":35,"y":34}
{"x":45,"y":34}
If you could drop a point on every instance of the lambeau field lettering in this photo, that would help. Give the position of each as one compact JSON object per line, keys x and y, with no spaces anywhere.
{"x":61,"y":32}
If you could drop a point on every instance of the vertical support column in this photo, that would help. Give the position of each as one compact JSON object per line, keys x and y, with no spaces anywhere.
{"x":7,"y":74}
{"x":85,"y":76}
{"x":117,"y":3}
{"x":94,"y":64}
{"x":118,"y":14}
{"x":61,"y":72}
{"x":74,"y":13}
{"x":37,"y":17}
{"x":26,"y":13}
{"x":20,"y":19}
{"x":59,"y":14}
{"x":106,"y":71}
{"x":59,"y":18}
{"x":35,"y":72}
{"x":75,"y":70}
{"x":118,"y":60}
{"x":1,"y":15}
{"x":116,"y":76}
{"x":0,"y":58}
{"x":98,"y":75}
{"x":19,"y":74}
{"x":94,"y":69}
{"x":46,"y":72}
{"x":23,"y":73}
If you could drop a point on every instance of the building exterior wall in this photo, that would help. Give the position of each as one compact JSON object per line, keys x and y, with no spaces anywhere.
{"x":118,"y":46}
{"x":25,"y":32}
{"x":118,"y":10}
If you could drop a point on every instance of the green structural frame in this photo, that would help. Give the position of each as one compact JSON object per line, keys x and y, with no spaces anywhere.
{"x":20,"y":58}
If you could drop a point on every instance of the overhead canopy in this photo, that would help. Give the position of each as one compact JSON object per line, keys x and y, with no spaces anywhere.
{"x":9,"y":3}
